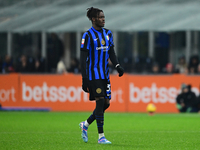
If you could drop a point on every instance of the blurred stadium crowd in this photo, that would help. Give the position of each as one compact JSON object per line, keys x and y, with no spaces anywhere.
{"x":56,"y":64}
{"x":27,"y":63}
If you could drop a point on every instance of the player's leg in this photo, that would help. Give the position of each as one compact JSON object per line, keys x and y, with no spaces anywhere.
{"x":97,"y":92}
{"x":106,"y":105}
{"x":99,"y":114}
{"x":106,"y":86}
{"x":92,"y":116}
{"x":85,"y":124}
{"x":102,"y":139}
{"x":100,"y":123}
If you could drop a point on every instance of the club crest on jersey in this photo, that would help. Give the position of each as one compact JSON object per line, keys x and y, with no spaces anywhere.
{"x":98,"y":90}
{"x":107,"y":37}
{"x":83,"y":40}
{"x":103,"y":42}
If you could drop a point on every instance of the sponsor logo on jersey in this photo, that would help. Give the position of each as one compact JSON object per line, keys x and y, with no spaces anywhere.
{"x":102,"y":47}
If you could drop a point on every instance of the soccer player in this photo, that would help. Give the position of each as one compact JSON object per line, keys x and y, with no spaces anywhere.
{"x":97,"y":48}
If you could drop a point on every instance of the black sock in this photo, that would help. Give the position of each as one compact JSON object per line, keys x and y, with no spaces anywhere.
{"x":92,"y":117}
{"x":99,"y":114}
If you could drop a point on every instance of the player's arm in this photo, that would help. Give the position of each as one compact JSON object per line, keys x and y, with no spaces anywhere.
{"x":113,"y":57}
{"x":115,"y":62}
{"x":84,"y":55}
{"x":83,"y":59}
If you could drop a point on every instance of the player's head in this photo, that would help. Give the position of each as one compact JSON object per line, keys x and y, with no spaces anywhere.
{"x":96,"y":16}
{"x":184,"y":88}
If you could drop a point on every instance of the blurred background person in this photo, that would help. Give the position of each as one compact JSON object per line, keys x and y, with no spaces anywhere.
{"x":61,"y":68}
{"x":23,"y":66}
{"x":169,"y":69}
{"x":191,"y":70}
{"x":193,"y":64}
{"x":7,"y":66}
{"x":181,"y":67}
{"x":155,"y":68}
{"x":181,"y":99}
{"x":74,"y":66}
{"x":186,"y":100}
{"x":192,"y":98}
{"x":39,"y":66}
{"x":55,"y":50}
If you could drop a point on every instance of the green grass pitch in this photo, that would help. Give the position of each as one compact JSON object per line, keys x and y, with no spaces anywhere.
{"x":60,"y":131}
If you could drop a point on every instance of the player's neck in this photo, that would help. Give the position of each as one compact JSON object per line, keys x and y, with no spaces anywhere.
{"x":96,"y":27}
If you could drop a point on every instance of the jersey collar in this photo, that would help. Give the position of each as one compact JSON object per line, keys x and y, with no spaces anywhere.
{"x":97,"y":30}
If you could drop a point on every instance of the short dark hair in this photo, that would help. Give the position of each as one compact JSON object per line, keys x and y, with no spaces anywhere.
{"x":93,"y":12}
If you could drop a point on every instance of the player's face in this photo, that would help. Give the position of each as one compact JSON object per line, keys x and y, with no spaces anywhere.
{"x":100,"y":20}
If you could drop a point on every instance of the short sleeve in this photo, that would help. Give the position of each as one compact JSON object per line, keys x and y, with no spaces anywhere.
{"x":85,"y":42}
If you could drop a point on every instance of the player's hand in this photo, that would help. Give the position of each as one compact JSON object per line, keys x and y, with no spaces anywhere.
{"x":120,"y":70}
{"x":85,"y":84}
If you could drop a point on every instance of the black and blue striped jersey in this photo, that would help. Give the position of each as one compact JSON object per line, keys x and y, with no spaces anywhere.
{"x":97,"y":44}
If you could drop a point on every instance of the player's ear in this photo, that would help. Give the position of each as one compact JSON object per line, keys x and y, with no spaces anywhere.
{"x":93,"y":19}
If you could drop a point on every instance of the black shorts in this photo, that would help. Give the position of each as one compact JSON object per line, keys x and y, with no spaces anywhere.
{"x":99,"y":88}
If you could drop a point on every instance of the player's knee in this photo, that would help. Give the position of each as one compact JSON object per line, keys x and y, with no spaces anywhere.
{"x":107,"y":104}
{"x":99,"y":106}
